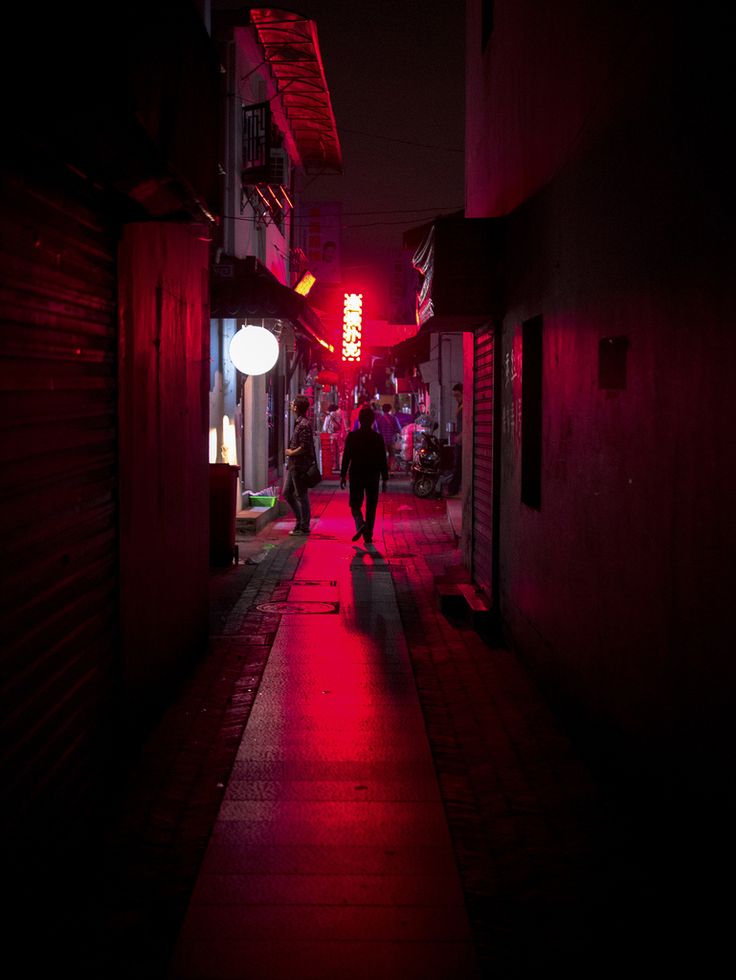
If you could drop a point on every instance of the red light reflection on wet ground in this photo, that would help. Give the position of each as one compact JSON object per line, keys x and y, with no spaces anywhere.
{"x":331,"y":855}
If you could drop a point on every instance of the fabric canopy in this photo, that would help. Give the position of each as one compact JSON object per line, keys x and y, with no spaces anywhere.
{"x":245,"y":287}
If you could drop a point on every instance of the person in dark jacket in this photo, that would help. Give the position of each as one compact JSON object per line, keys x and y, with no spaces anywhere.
{"x":364,"y":459}
{"x":298,"y":457}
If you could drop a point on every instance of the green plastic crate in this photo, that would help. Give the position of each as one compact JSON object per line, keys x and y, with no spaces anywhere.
{"x":262,"y":501}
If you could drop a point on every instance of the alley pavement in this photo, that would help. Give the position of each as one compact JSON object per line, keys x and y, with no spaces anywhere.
{"x":349,"y":784}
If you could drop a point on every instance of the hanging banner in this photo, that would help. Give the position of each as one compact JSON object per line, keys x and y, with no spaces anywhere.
{"x":323,"y":234}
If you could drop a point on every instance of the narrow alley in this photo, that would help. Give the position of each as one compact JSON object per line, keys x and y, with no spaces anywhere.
{"x":352,"y":784}
{"x":496,"y":739}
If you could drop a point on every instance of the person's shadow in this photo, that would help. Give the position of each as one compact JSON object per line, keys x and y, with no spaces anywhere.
{"x":364,"y":550}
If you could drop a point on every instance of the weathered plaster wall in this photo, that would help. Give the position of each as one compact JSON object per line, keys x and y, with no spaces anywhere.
{"x":618,"y":587}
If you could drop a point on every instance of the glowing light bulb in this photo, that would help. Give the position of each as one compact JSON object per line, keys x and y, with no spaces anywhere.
{"x":254,"y":350}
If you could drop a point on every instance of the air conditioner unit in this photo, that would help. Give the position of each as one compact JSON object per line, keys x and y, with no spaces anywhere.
{"x":280,"y":167}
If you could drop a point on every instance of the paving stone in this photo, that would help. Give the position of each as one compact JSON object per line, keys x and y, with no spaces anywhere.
{"x":349,"y":779}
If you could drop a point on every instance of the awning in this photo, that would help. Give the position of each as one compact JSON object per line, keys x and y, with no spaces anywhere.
{"x":460,"y":262}
{"x":290,"y":45}
{"x":245,"y":287}
{"x":311,"y":324}
{"x":411,"y":352}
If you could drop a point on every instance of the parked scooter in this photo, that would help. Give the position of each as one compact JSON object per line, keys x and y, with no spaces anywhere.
{"x":425,"y":469}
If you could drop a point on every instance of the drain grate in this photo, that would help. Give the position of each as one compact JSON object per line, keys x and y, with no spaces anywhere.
{"x":300,"y":607}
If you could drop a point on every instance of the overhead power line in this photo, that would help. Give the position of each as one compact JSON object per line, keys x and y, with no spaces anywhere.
{"x":304,"y":223}
{"x":400,"y":210}
{"x":393,"y":139}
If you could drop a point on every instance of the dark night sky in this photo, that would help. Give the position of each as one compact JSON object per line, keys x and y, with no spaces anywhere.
{"x":395,"y":71}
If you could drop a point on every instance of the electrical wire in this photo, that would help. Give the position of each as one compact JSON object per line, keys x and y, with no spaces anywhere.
{"x":398,"y":211}
{"x":393,"y":139}
{"x":304,"y":223}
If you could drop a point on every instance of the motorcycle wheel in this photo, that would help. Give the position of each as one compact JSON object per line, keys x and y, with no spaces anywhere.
{"x":423,"y":486}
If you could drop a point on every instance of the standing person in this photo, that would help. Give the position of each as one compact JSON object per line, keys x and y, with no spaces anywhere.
{"x":337,"y":430}
{"x":389,"y":427}
{"x":453,"y":484}
{"x":422,"y":418}
{"x":422,"y":424}
{"x":365,"y":461}
{"x":298,"y":457}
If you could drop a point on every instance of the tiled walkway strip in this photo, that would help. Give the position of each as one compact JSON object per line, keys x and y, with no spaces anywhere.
{"x":331,"y":856}
{"x":524,"y":818}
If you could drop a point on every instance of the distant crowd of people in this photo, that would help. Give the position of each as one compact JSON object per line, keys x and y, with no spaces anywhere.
{"x":398,"y":430}
{"x":365,"y":447}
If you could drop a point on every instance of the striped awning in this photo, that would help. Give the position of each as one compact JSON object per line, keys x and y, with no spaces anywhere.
{"x":290,"y":45}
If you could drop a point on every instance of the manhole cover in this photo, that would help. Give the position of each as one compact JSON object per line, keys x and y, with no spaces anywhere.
{"x":299,"y":608}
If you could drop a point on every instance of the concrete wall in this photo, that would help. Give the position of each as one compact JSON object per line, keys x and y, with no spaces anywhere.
{"x":242,"y":236}
{"x":164,"y":477}
{"x":618,"y":588}
{"x":466,"y":487}
{"x":441,"y":372}
{"x":528,"y":99}
{"x":255,"y":428}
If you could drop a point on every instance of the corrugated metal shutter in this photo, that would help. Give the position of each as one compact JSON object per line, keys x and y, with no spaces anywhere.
{"x":59,"y":523}
{"x":483,"y":461}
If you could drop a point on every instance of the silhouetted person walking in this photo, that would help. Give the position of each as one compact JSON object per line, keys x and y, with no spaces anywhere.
{"x":364,"y":459}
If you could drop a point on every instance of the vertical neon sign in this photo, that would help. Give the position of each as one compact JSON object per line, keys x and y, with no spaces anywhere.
{"x":352,"y":326}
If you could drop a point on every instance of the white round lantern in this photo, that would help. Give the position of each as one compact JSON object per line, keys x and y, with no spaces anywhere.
{"x":254,"y":350}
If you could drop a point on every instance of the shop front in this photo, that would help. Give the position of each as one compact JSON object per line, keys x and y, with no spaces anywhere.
{"x":249,"y":402}
{"x":459,"y":299}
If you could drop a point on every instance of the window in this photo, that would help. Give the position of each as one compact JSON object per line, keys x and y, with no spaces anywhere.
{"x":256,"y":141}
{"x":531,"y":413}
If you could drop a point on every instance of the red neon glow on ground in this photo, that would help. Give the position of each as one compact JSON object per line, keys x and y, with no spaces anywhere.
{"x":331,"y":845}
{"x":339,"y":690}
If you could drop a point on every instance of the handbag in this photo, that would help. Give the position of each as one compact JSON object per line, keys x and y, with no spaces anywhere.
{"x":312,"y":475}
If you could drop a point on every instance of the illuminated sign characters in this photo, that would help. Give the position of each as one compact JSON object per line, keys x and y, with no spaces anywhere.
{"x":352,"y":326}
{"x":254,"y":350}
